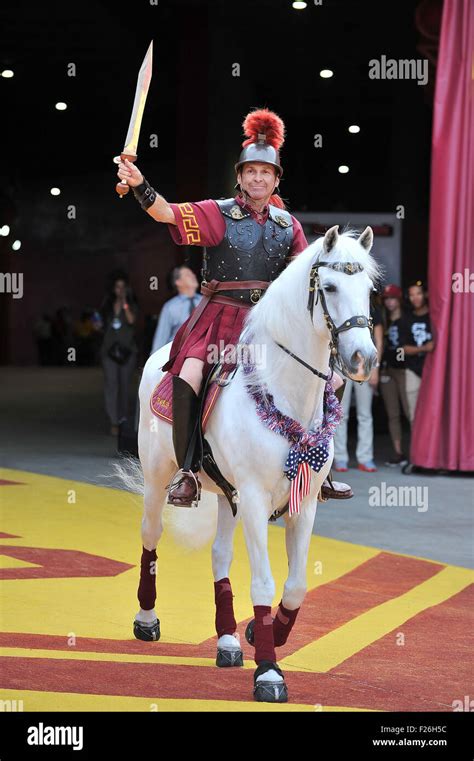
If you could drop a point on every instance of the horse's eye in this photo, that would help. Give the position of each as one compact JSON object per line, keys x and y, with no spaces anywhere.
{"x":330,"y":288}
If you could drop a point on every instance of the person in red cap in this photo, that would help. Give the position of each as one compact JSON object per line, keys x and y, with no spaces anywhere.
{"x":248,"y":240}
{"x":392,"y":376}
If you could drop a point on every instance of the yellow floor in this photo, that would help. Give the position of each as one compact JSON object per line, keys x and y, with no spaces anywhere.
{"x":54,"y":513}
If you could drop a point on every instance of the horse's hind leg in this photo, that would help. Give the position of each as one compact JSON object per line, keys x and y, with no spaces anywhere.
{"x":146,"y":625}
{"x":229,"y":652}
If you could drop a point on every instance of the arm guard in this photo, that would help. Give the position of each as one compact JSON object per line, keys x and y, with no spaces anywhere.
{"x":145,"y":194}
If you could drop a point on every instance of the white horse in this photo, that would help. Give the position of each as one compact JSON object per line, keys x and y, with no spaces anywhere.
{"x":251,"y":456}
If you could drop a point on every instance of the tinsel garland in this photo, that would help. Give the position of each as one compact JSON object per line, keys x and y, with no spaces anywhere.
{"x":309,"y":448}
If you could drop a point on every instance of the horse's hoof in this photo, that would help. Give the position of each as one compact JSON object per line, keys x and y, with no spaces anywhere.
{"x":226,"y":657}
{"x":270,"y":692}
{"x":249,"y":631}
{"x":147,"y":633}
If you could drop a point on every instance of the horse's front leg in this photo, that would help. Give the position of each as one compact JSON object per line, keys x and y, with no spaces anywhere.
{"x":269,"y":683}
{"x":298,"y":531}
{"x":229,"y":652}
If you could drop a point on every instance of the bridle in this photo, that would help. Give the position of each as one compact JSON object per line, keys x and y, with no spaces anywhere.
{"x":357,"y":321}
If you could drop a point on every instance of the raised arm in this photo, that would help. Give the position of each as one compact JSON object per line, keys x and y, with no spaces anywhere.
{"x":151,"y":201}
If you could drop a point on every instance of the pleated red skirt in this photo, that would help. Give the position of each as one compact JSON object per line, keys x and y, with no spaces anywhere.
{"x":218,"y":326}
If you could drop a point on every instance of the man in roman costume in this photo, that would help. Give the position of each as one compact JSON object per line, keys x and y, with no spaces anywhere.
{"x":248,"y":240}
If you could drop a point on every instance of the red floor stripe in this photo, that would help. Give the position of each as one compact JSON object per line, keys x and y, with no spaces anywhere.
{"x":201,"y":683}
{"x":98,"y":645}
{"x":436,"y":656}
{"x":55,"y":563}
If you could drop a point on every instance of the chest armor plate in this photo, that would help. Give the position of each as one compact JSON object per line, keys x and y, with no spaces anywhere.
{"x":249,"y":251}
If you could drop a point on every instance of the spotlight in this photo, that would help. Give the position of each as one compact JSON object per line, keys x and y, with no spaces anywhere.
{"x":5,"y":230}
{"x":299,"y":5}
{"x":16,"y":245}
{"x":55,"y":191}
{"x":7,"y":73}
{"x":354,"y":128}
{"x":60,"y":106}
{"x":343,"y":169}
{"x":326,"y":73}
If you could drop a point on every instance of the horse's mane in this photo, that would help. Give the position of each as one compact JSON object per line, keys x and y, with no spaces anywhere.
{"x":288,"y":295}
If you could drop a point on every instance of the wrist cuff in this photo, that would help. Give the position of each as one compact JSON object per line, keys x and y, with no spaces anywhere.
{"x":145,"y":194}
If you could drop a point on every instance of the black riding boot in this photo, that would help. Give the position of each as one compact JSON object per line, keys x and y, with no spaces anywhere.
{"x":185,"y":488}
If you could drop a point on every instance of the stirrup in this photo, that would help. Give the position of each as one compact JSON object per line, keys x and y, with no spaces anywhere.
{"x":174,"y":482}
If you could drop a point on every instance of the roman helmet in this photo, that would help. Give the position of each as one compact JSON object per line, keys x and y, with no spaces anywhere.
{"x":265,"y":133}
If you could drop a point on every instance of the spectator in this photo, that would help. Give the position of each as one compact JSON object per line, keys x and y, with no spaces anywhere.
{"x":392,"y":377}
{"x":119,"y":348}
{"x":365,"y":425}
{"x":62,"y":336}
{"x":42,"y":331}
{"x":417,"y":341}
{"x":177,"y":309}
{"x":87,"y":337}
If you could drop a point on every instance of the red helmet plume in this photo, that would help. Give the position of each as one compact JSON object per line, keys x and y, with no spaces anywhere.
{"x":264,"y":122}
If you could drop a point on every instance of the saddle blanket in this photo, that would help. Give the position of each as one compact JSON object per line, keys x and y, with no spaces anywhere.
{"x":161,"y":399}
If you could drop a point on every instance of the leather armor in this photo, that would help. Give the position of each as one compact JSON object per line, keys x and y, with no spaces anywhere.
{"x":249,"y":250}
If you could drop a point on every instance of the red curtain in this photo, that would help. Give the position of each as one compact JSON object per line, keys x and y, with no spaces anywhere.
{"x":443,"y":431}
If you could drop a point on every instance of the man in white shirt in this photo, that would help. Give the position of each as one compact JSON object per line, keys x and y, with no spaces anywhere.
{"x":177,"y":309}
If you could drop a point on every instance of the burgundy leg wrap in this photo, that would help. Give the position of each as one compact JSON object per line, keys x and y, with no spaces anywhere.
{"x":263,"y":634}
{"x":283,"y":624}
{"x":225,"y":619}
{"x":147,"y":587}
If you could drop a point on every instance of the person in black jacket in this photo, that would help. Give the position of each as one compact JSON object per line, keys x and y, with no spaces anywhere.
{"x":392,"y":376}
{"x":417,"y":341}
{"x":119,"y":349}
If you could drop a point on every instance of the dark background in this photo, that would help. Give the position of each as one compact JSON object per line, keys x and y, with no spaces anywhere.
{"x":196,"y":107}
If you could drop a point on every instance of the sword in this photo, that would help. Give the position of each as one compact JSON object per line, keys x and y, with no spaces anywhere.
{"x":131,"y":141}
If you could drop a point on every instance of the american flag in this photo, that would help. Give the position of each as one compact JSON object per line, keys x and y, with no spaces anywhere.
{"x":300,"y":487}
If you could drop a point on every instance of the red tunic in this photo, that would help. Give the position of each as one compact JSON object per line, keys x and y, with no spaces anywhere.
{"x":202,"y":224}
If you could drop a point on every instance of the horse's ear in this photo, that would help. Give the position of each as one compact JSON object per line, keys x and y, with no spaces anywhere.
{"x":366,"y":239}
{"x":330,"y":239}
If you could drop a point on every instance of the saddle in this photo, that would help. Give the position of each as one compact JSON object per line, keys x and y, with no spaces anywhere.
{"x":161,"y":404}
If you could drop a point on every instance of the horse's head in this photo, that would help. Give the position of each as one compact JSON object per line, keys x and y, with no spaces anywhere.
{"x":344,"y":278}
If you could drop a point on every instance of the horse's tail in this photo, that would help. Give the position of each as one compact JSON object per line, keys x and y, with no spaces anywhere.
{"x":191,"y":528}
{"x":130,"y":473}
